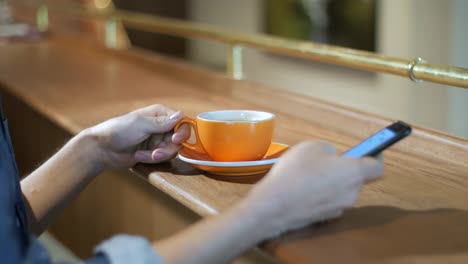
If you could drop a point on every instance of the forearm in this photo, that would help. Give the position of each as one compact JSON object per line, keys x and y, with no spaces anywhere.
{"x":50,"y":187}
{"x":217,"y":239}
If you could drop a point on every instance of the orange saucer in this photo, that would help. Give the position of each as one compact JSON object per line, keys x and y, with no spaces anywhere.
{"x":238,"y":168}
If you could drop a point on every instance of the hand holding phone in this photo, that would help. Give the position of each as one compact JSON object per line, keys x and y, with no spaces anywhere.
{"x":375,"y":144}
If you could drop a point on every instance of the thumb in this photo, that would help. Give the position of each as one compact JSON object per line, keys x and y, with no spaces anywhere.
{"x":371,"y":168}
{"x":161,"y":124}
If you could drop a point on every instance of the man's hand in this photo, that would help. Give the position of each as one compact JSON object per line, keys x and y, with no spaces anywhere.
{"x":144,"y":135}
{"x":310,"y":184}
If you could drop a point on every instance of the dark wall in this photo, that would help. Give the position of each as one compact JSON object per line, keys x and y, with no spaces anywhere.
{"x":160,"y":43}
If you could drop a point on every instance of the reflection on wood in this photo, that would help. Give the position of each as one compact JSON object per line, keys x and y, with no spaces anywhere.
{"x":416,"y":213}
{"x":382,"y":234}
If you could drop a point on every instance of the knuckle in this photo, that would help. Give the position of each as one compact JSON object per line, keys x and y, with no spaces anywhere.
{"x":370,"y":167}
{"x":317,"y":145}
{"x":355,"y":172}
{"x":157,"y":107}
{"x":309,"y":144}
{"x":325,"y":147}
{"x":158,"y":120}
{"x":134,"y":118}
{"x":356,"y":178}
{"x":164,"y":109}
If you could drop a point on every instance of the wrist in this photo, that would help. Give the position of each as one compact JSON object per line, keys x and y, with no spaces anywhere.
{"x":88,"y":144}
{"x":272,"y":214}
{"x":259,"y":217}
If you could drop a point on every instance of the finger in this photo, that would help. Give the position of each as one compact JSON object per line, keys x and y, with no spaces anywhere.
{"x":166,"y":141}
{"x":329,"y":215}
{"x":168,"y":138}
{"x":370,"y":168}
{"x":166,"y":153}
{"x":319,"y":147}
{"x":155,"y":110}
{"x":326,"y":148}
{"x":160,"y":124}
{"x":144,"y":156}
{"x":154,"y":141}
{"x":181,"y":135}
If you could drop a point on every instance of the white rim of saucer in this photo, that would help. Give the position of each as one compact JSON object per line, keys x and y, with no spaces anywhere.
{"x":229,"y":164}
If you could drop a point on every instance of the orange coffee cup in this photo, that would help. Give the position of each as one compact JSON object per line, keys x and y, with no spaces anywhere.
{"x":231,"y":135}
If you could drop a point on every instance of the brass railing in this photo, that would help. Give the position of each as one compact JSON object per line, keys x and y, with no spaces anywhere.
{"x":416,"y":69}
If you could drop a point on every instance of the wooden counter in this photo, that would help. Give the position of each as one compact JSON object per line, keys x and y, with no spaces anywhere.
{"x":416,"y":214}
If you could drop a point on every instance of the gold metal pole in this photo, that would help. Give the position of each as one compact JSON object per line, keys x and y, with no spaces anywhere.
{"x":413,"y":69}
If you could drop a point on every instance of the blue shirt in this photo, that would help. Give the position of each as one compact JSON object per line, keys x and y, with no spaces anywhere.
{"x":17,"y":244}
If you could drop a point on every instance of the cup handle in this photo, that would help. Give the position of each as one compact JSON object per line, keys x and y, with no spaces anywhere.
{"x":197,"y":146}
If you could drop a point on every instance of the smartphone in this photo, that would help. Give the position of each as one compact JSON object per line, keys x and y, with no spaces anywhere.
{"x":375,"y":144}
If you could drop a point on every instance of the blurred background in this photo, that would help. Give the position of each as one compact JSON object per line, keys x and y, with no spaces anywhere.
{"x":432,"y":29}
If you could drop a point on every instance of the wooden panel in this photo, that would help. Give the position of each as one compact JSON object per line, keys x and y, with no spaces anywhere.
{"x":31,"y":133}
{"x":417,"y":213}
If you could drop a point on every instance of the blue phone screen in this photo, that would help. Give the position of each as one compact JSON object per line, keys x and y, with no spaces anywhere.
{"x":370,"y":143}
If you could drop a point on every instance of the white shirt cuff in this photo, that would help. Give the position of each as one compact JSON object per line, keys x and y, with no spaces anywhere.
{"x":124,"y":249}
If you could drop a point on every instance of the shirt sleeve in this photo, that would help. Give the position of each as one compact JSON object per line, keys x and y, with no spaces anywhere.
{"x":124,"y":249}
{"x":99,"y":259}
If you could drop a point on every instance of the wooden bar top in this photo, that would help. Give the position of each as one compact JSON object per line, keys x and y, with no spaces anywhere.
{"x":417,"y":213}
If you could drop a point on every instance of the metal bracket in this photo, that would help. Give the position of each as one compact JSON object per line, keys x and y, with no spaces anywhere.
{"x":42,"y":18}
{"x":234,"y":62}
{"x":411,"y":66}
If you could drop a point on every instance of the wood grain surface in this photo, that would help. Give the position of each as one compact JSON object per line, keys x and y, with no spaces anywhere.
{"x":418,"y":212}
